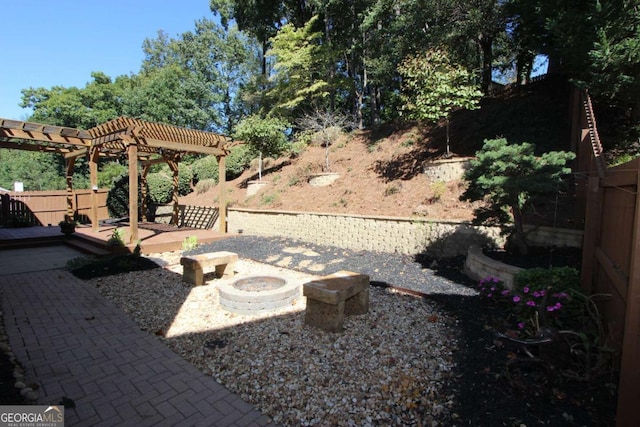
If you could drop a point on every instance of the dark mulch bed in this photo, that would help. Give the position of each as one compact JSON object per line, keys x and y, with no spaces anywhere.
{"x":498,"y":385}
{"x":113,"y":265}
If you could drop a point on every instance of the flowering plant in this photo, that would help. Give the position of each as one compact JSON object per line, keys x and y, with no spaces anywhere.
{"x":528,"y":309}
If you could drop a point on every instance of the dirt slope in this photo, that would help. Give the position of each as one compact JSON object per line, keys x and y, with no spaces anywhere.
{"x":378,"y":176}
{"x":381,"y":170}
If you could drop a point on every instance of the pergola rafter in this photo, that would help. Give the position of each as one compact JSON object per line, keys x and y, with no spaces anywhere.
{"x":139,"y":140}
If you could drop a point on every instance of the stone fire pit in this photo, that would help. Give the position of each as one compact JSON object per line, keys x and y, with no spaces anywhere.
{"x":257,"y":294}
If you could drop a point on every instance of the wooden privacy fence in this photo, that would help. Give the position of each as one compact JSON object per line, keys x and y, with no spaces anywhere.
{"x":31,"y":208}
{"x":608,"y":197}
{"x":611,"y":266}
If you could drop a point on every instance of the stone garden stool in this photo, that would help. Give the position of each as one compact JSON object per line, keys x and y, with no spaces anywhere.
{"x":332,"y":297}
{"x":194,"y":266}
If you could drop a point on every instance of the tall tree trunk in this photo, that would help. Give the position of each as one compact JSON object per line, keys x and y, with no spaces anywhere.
{"x":486,"y":47}
{"x":517,"y":241}
{"x":265,"y":47}
{"x":330,"y":69}
{"x":374,"y":98}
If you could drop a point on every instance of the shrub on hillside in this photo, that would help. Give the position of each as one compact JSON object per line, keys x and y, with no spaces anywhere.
{"x":237,"y":161}
{"x":118,"y":198}
{"x":205,"y":168}
{"x":160,"y":187}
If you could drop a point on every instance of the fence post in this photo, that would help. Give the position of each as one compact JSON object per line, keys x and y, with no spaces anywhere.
{"x":629,"y":386}
{"x":591,"y":232}
{"x":4,"y":209}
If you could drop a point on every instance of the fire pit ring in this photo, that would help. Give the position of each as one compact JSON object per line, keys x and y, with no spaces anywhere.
{"x":257,"y":294}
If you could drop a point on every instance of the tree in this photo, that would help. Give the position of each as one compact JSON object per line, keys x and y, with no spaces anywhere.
{"x":197,"y":80}
{"x":84,"y":108}
{"x":174,"y":96}
{"x":299,"y":67}
{"x":615,"y":57}
{"x":266,"y":137}
{"x":509,"y":178}
{"x":329,"y":126}
{"x":433,"y":87}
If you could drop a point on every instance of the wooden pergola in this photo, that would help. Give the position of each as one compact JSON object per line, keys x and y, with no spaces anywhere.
{"x":142,"y":142}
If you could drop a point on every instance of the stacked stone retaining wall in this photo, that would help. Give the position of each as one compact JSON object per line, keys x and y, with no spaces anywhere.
{"x":381,"y":234}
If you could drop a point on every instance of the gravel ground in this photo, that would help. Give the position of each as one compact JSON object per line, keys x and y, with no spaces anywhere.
{"x":422,"y":356}
{"x":388,"y":367}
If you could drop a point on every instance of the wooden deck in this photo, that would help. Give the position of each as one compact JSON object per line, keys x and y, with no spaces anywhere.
{"x":153,"y":237}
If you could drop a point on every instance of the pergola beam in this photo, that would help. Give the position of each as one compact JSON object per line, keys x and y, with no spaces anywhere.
{"x":137,"y":139}
{"x":44,"y":133}
{"x":178,"y":146}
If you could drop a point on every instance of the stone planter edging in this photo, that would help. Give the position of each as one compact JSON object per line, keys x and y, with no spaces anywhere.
{"x":479,"y":266}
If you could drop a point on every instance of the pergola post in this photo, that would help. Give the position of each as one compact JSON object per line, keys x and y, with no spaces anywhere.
{"x":94,"y":153}
{"x":173,"y":165}
{"x":222,"y":199}
{"x":143,"y":191}
{"x":133,"y":191}
{"x":70,"y":214}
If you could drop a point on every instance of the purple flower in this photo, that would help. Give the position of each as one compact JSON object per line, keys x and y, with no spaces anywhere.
{"x":542,"y":292}
{"x":537,"y":294}
{"x":531,"y":303}
{"x":516,"y":298}
{"x":525,"y":290}
{"x":521,"y":325}
{"x":493,"y":288}
{"x":489,"y":295}
{"x":556,"y":306}
{"x":505,"y":292}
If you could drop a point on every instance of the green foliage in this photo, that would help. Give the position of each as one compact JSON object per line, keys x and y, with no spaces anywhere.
{"x":551,"y":299}
{"x":265,"y":137}
{"x":118,"y":198}
{"x":391,"y":190}
{"x":299,"y":62}
{"x":37,"y":171}
{"x":160,"y":187}
{"x":117,"y":238}
{"x":439,"y":188}
{"x":238,"y":160}
{"x":433,"y":87}
{"x":562,"y":279}
{"x":109,"y":173}
{"x":616,"y":53}
{"x":509,"y":178}
{"x":205,"y":168}
{"x":268,"y":199}
{"x":190,"y":242}
{"x":96,"y":103}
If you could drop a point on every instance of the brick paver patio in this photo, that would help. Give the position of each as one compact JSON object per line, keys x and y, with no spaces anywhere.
{"x":78,"y":345}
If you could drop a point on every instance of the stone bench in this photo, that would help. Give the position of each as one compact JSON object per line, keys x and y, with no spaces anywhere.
{"x":332,"y":297}
{"x":195,"y":265}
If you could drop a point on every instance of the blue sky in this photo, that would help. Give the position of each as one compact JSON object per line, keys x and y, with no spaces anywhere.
{"x":47,"y":43}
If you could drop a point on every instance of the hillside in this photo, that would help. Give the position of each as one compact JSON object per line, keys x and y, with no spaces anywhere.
{"x":381,"y":170}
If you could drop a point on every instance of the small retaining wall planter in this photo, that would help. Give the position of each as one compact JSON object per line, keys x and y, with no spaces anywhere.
{"x":255,"y":186}
{"x":323,"y":179}
{"x":479,"y":266}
